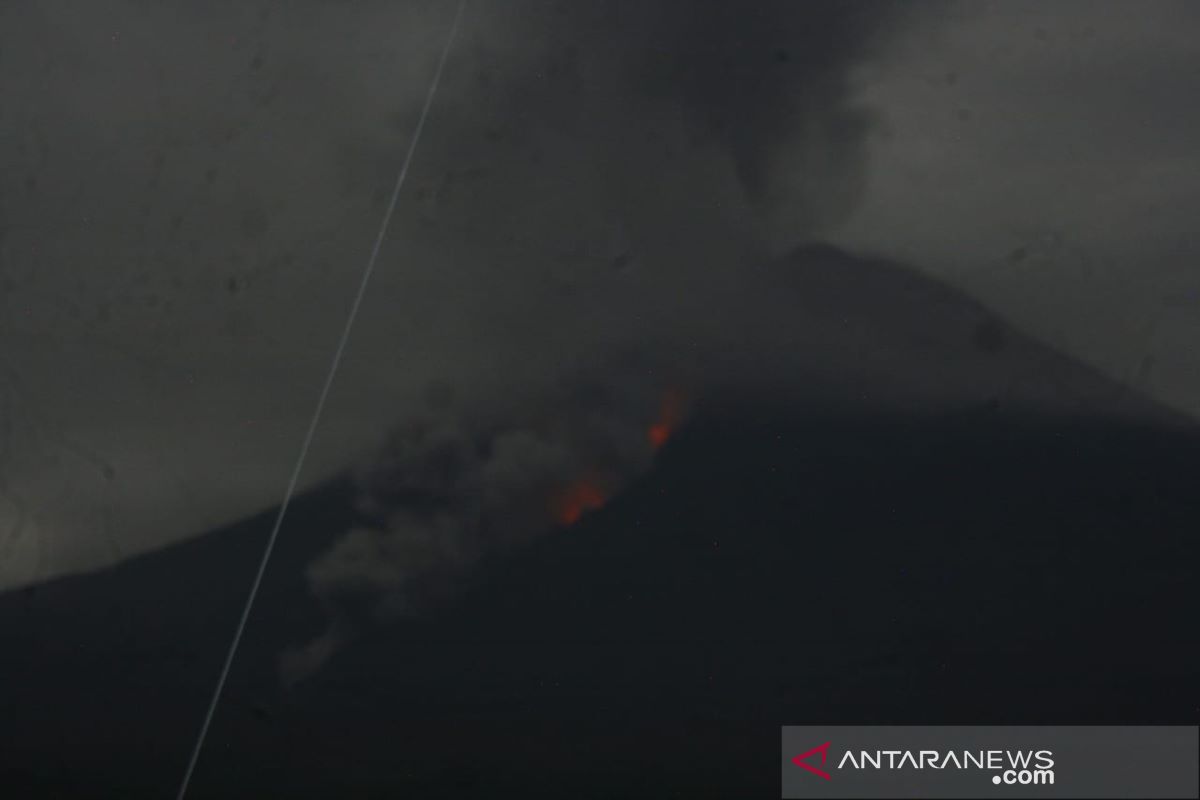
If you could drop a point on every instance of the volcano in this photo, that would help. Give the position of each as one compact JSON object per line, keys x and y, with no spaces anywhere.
{"x":941,"y":522}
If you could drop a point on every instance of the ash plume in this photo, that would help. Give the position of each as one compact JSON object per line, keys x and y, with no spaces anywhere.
{"x":592,"y":142}
{"x":595,"y":177}
{"x":449,"y":487}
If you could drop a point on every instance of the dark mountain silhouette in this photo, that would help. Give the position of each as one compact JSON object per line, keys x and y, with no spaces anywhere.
{"x":787,"y":560}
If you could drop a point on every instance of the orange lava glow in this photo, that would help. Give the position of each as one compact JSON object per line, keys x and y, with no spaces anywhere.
{"x":670,"y":417}
{"x":658,"y":434}
{"x":577,"y":499}
{"x":591,"y":492}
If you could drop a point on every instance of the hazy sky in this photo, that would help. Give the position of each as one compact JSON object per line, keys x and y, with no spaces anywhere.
{"x":190,"y":191}
{"x":1043,"y":156}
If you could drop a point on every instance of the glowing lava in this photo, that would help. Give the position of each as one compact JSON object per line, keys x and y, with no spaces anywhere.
{"x":670,"y":416}
{"x":591,"y":492}
{"x":577,"y":499}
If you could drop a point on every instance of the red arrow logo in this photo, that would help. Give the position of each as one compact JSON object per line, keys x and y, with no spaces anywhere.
{"x":824,"y":751}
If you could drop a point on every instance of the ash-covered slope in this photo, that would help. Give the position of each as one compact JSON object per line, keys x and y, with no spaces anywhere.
{"x":909,"y":536}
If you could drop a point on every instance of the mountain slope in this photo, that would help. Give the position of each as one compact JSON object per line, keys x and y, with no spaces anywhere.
{"x":788,"y":559}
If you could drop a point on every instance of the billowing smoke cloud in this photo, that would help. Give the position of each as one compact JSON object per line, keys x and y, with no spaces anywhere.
{"x":448,"y":487}
{"x":761,"y":91}
{"x":596,"y":178}
{"x":591,"y":142}
{"x":770,"y":84}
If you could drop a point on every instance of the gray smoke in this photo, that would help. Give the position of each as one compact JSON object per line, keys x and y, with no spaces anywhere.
{"x":197,"y":186}
{"x":590,"y":141}
{"x":450,"y":486}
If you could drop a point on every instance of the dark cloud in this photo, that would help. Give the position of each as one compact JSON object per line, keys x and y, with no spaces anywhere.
{"x":771,"y":83}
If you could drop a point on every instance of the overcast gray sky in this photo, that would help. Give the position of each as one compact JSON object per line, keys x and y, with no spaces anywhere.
{"x":190,"y":191}
{"x":1043,"y":156}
